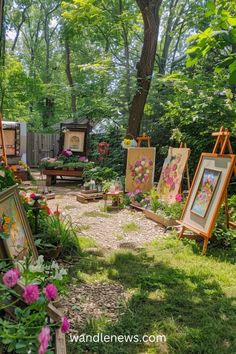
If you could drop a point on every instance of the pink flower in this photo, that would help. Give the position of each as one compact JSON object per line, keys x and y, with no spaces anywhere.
{"x":31,"y":293}
{"x":65,"y":324}
{"x":146,"y":178}
{"x":32,"y":195}
{"x":174,"y":167}
{"x":150,"y":163}
{"x":83,"y":159}
{"x":137,"y":181}
{"x":44,"y":338}
{"x":178,"y":198}
{"x":169,"y":181}
{"x":137,"y":191}
{"x":50,"y":292}
{"x":11,"y":278}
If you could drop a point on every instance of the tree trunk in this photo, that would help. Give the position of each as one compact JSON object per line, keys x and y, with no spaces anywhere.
{"x":70,"y":81}
{"x":151,"y":18}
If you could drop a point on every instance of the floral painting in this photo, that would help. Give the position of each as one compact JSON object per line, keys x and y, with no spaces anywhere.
{"x":172,"y":173}
{"x":140,"y":169}
{"x":16,"y":241}
{"x":205,"y":192}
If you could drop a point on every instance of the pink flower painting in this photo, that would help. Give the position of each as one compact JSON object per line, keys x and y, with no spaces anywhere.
{"x":172,"y":174}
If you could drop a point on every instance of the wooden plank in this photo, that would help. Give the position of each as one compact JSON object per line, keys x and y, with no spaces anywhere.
{"x":68,"y":173}
{"x":60,"y":342}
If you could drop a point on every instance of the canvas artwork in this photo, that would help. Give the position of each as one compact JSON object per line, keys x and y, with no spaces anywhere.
{"x":74,"y":140}
{"x":18,"y":242}
{"x":205,"y":192}
{"x":140,"y":169}
{"x":172,"y":174}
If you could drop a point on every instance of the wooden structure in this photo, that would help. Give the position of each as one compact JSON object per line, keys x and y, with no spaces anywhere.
{"x":51,"y":175}
{"x":186,"y":171}
{"x":77,"y":131}
{"x":88,"y":196}
{"x":115,"y":197}
{"x":222,"y":144}
{"x":41,"y":145}
{"x":144,"y":138}
{"x":4,"y":155}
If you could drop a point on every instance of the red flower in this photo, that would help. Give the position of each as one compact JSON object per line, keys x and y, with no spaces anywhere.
{"x":46,"y":208}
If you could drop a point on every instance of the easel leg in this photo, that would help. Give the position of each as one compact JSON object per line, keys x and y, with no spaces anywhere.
{"x":226,"y":210}
{"x":181,"y":234}
{"x":204,"y":248}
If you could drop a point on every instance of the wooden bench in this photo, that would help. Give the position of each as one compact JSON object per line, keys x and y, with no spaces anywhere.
{"x":51,"y":175}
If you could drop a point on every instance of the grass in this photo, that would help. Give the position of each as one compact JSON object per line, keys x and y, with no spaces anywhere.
{"x":119,"y":237}
{"x":70,"y":207}
{"x":96,"y":214}
{"x":172,"y":290}
{"x":86,"y":242}
{"x":130,"y":227}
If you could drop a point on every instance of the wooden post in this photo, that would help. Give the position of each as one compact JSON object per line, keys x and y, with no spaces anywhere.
{"x":4,"y":154}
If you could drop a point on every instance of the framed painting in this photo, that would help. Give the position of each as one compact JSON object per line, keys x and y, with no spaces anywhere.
{"x":74,"y":140}
{"x":207,"y":193}
{"x":140,"y":169}
{"x":18,"y":240}
{"x":172,"y":174}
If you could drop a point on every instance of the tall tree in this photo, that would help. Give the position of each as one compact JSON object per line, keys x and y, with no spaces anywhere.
{"x":2,"y":52}
{"x":150,"y":11}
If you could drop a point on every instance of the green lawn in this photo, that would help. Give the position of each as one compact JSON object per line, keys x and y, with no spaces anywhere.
{"x":174,"y":291}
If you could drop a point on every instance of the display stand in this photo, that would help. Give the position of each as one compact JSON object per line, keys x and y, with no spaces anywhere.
{"x":4,"y":154}
{"x":144,"y":138}
{"x":220,"y":148}
{"x":186,"y":171}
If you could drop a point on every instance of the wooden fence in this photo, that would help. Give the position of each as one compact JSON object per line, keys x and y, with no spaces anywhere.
{"x":41,"y":145}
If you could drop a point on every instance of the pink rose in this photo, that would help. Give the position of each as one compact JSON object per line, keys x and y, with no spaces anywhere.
{"x":44,"y":338}
{"x":32,"y":195}
{"x":178,"y":198}
{"x":11,"y":278}
{"x":65,"y":324}
{"x":137,"y":181}
{"x":50,"y":292}
{"x":31,"y":294}
{"x":174,"y":167}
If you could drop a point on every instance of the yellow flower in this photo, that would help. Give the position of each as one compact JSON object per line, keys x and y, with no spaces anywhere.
{"x":5,"y":228}
{"x":127,"y":141}
{"x":7,"y":219}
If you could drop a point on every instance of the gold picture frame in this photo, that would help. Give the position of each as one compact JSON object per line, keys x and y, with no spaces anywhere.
{"x":20,"y":242}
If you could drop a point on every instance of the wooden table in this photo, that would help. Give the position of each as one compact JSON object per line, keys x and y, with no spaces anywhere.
{"x":116,"y":197}
{"x":51,"y":175}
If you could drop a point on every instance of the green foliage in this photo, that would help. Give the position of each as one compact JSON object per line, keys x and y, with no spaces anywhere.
{"x":219,"y":38}
{"x":7,"y":178}
{"x":100,"y":174}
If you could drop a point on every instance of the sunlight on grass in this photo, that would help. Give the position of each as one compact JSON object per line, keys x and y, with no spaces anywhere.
{"x":86,"y":242}
{"x":119,"y":237}
{"x":130,"y":227}
{"x":70,"y":207}
{"x":172,"y":290}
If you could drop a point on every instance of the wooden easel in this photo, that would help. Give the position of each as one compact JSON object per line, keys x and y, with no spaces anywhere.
{"x":3,"y":157}
{"x":221,"y":144}
{"x":186,"y":171}
{"x":143,"y":138}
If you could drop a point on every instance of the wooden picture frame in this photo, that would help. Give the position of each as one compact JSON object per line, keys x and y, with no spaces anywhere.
{"x":204,"y":226}
{"x":20,"y":242}
{"x":70,"y":130}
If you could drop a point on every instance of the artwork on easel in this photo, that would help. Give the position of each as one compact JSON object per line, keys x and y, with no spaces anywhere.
{"x":18,"y":240}
{"x":207,"y":192}
{"x":74,"y":140}
{"x":140,"y":169}
{"x":172,"y":174}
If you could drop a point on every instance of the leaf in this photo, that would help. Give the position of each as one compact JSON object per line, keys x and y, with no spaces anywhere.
{"x":232,"y":78}
{"x":232,"y":21}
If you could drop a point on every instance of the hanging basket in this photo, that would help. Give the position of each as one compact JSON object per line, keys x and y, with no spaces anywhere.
{"x":129,"y":142}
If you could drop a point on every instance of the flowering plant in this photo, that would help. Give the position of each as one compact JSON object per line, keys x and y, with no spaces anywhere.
{"x":140,"y":170}
{"x":135,"y":196}
{"x":27,"y":327}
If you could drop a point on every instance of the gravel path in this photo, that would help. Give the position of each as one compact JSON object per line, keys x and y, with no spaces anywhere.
{"x":123,"y":229}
